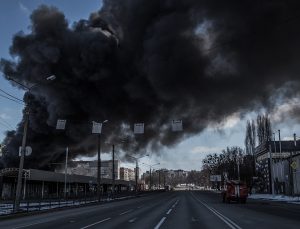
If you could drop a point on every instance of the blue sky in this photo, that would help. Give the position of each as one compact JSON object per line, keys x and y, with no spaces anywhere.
{"x":14,"y":17}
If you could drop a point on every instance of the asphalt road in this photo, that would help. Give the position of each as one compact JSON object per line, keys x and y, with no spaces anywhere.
{"x":178,"y":209}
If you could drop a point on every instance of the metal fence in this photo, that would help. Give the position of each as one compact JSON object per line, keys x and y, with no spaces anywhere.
{"x":29,"y":205}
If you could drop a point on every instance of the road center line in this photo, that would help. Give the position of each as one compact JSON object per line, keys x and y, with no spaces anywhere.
{"x":132,"y":220}
{"x":168,"y":212}
{"x":230,"y":221}
{"x":160,"y":223}
{"x":123,"y":213}
{"x":225,"y":219}
{"x":174,"y":205}
{"x":95,"y":223}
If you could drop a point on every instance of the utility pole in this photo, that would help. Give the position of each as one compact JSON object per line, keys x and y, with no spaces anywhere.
{"x":137,"y":169}
{"x":164,"y":178}
{"x":99,"y":169}
{"x":290,"y":167}
{"x":150,"y":181}
{"x":97,"y":129}
{"x":136,"y":175}
{"x":66,"y":170}
{"x":113,"y":171}
{"x":26,"y":120}
{"x":150,"y":166}
{"x":238,"y":168}
{"x":281,"y":156}
{"x":158,"y":179}
{"x":20,"y":173}
{"x":271,"y":168}
{"x":275,"y":151}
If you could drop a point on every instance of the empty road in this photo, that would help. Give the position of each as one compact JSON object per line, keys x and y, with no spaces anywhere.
{"x":177,"y":209}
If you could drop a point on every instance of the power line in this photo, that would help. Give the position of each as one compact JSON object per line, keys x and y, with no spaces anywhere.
{"x":10,"y":95}
{"x":4,"y":124}
{"x":7,"y":123}
{"x":16,"y":101}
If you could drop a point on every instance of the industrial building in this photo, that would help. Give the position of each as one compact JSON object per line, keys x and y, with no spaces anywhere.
{"x":285,"y":167}
{"x":90,"y":168}
{"x":46,"y":184}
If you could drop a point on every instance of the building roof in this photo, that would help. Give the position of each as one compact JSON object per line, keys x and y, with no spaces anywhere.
{"x":286,"y":146}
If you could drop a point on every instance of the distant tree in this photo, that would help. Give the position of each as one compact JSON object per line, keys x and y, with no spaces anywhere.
{"x":227,"y":162}
{"x":264,"y":129}
{"x":250,"y":138}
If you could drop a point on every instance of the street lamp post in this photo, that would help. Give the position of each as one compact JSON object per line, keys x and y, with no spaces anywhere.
{"x":113,"y":171}
{"x":136,"y":170}
{"x":150,"y":172}
{"x":99,"y":131}
{"x":21,"y":165}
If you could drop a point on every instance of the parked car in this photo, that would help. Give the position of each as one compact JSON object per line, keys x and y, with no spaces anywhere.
{"x":235,"y":191}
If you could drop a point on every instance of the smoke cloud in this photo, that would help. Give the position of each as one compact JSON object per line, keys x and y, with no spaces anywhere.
{"x":152,"y":62}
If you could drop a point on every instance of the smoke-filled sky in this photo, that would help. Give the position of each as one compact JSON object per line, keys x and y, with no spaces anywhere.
{"x":211,"y":64}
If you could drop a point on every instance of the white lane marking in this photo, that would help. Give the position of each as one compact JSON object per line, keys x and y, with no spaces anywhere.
{"x":123,"y":213}
{"x":139,"y":207}
{"x":174,"y":205}
{"x":132,"y":220}
{"x":160,"y":223}
{"x":90,"y":225}
{"x":225,"y":219}
{"x":230,"y":221}
{"x":168,"y":212}
{"x":27,"y":225}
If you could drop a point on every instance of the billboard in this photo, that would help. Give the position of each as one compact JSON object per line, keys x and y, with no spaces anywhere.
{"x":215,"y":178}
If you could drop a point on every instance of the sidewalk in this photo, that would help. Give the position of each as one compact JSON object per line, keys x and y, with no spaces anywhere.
{"x":270,"y":197}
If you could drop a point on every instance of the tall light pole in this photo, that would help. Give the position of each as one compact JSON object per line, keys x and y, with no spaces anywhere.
{"x":150,"y":172}
{"x":113,"y":171}
{"x":21,"y":165}
{"x":136,"y":170}
{"x":97,"y":129}
{"x":61,"y":125}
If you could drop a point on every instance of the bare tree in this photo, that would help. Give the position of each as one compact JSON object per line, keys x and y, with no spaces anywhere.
{"x":250,"y":138}
{"x":264,"y":130}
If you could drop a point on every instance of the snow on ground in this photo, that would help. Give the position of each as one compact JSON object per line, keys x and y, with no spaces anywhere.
{"x":289,"y":199}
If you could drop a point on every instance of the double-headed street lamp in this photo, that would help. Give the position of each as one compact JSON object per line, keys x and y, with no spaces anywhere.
{"x":26,"y":120}
{"x":137,"y":169}
{"x":150,"y":172}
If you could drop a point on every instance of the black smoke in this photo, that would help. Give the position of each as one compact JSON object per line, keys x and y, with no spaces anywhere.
{"x":150,"y":61}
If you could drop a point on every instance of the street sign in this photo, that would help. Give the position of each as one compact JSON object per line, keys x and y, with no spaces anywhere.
{"x":177,"y":125}
{"x":28,"y":151}
{"x":215,"y":178}
{"x":138,"y":128}
{"x":97,"y":128}
{"x":61,"y":124}
{"x":294,"y":165}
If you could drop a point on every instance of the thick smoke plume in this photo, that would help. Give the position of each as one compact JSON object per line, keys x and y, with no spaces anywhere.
{"x":150,"y":61}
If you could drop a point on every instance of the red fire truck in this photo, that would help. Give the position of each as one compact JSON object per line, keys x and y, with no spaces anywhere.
{"x":235,"y":191}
